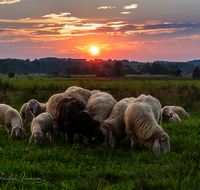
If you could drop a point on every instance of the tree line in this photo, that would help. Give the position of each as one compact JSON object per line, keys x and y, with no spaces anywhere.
{"x":65,"y":66}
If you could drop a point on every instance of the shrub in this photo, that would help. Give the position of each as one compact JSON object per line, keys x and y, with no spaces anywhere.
{"x":25,"y":73}
{"x":11,"y":74}
{"x":68,"y":76}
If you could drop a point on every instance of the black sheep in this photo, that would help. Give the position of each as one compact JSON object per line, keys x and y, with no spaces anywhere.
{"x":73,"y":117}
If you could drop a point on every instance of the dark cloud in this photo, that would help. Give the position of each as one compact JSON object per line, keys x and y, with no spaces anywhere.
{"x":43,"y":32}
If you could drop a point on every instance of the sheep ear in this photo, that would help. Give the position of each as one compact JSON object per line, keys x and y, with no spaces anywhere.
{"x":35,"y":108}
{"x":23,"y":131}
{"x":12,"y":132}
{"x":156,"y":147}
{"x":162,"y":111}
{"x":111,"y":140}
{"x":31,"y":138}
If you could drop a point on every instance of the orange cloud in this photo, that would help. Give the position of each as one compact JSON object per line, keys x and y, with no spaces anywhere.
{"x":9,"y":1}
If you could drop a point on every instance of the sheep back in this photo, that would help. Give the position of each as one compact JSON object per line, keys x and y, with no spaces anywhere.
{"x":115,"y":121}
{"x":100,"y":105}
{"x":180,"y":111}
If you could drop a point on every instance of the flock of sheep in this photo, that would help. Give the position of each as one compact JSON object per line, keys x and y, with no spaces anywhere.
{"x":95,"y":115}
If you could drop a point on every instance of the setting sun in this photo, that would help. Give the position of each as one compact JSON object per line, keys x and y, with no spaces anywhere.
{"x":94,"y":50}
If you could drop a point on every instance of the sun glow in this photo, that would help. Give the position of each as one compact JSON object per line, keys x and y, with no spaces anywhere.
{"x":94,"y":50}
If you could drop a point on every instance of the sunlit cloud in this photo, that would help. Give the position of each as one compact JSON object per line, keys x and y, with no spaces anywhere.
{"x":125,"y":13}
{"x":9,"y":1}
{"x":133,"y":6}
{"x":106,"y":7}
{"x":56,"y":15}
{"x":167,"y":22}
{"x":152,"y":22}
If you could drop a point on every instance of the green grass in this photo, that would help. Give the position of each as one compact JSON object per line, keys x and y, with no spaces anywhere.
{"x":59,"y":166}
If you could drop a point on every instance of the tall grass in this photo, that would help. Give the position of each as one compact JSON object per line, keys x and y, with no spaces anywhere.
{"x":59,"y":166}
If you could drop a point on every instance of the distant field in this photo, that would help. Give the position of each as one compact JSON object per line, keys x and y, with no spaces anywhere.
{"x":59,"y":166}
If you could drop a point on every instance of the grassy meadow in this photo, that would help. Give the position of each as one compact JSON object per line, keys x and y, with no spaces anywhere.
{"x":59,"y":166}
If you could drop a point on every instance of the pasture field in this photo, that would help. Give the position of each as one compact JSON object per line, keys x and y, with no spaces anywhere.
{"x":59,"y":166}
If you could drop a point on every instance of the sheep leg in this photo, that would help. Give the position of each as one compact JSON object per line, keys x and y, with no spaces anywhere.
{"x":8,"y":130}
{"x":51,"y":135}
{"x":132,"y":143}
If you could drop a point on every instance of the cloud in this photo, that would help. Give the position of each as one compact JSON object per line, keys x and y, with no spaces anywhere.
{"x":56,"y":15}
{"x":125,"y":13}
{"x":106,"y":7}
{"x":9,"y":1}
{"x":133,"y":6}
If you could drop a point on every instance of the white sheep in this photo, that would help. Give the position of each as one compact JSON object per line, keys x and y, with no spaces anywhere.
{"x":180,"y":111}
{"x":142,"y":118}
{"x":168,"y":115}
{"x":35,"y":107}
{"x":100,"y":105}
{"x":11,"y":119}
{"x":26,"y":117}
{"x":42,"y":124}
{"x":115,"y":123}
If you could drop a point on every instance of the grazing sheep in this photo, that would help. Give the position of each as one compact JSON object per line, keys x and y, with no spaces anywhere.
{"x":27,"y":117}
{"x":180,"y":111}
{"x":11,"y":119}
{"x":168,"y":115}
{"x":73,"y":118}
{"x":35,"y":107}
{"x":42,"y":124}
{"x":79,"y":93}
{"x":115,"y":123}
{"x":100,"y":105}
{"x":142,"y":118}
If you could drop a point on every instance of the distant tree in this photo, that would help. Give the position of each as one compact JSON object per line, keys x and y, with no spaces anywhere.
{"x":5,"y":68}
{"x":11,"y":74}
{"x":107,"y":66}
{"x":130,"y":70}
{"x":146,"y":68}
{"x":118,"y":69}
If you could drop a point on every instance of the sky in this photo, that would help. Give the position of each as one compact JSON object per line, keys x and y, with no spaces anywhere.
{"x":137,"y":30}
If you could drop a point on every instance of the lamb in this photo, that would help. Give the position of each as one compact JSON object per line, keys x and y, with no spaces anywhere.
{"x":42,"y":124}
{"x":115,"y":123}
{"x":73,"y":118}
{"x":142,"y":118}
{"x":35,"y":107}
{"x":26,"y":117}
{"x":168,"y":115}
{"x":100,"y":105}
{"x":79,"y":93}
{"x":11,"y":119}
{"x":180,"y":111}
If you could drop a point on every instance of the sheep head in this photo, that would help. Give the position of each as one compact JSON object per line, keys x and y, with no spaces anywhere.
{"x":108,"y":136}
{"x":168,"y":111}
{"x":96,"y":136}
{"x":37,"y":137}
{"x":17,"y":129}
{"x":32,"y":106}
{"x":161,"y":145}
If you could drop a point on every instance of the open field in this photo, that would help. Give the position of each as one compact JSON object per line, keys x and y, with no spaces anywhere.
{"x":59,"y":166}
